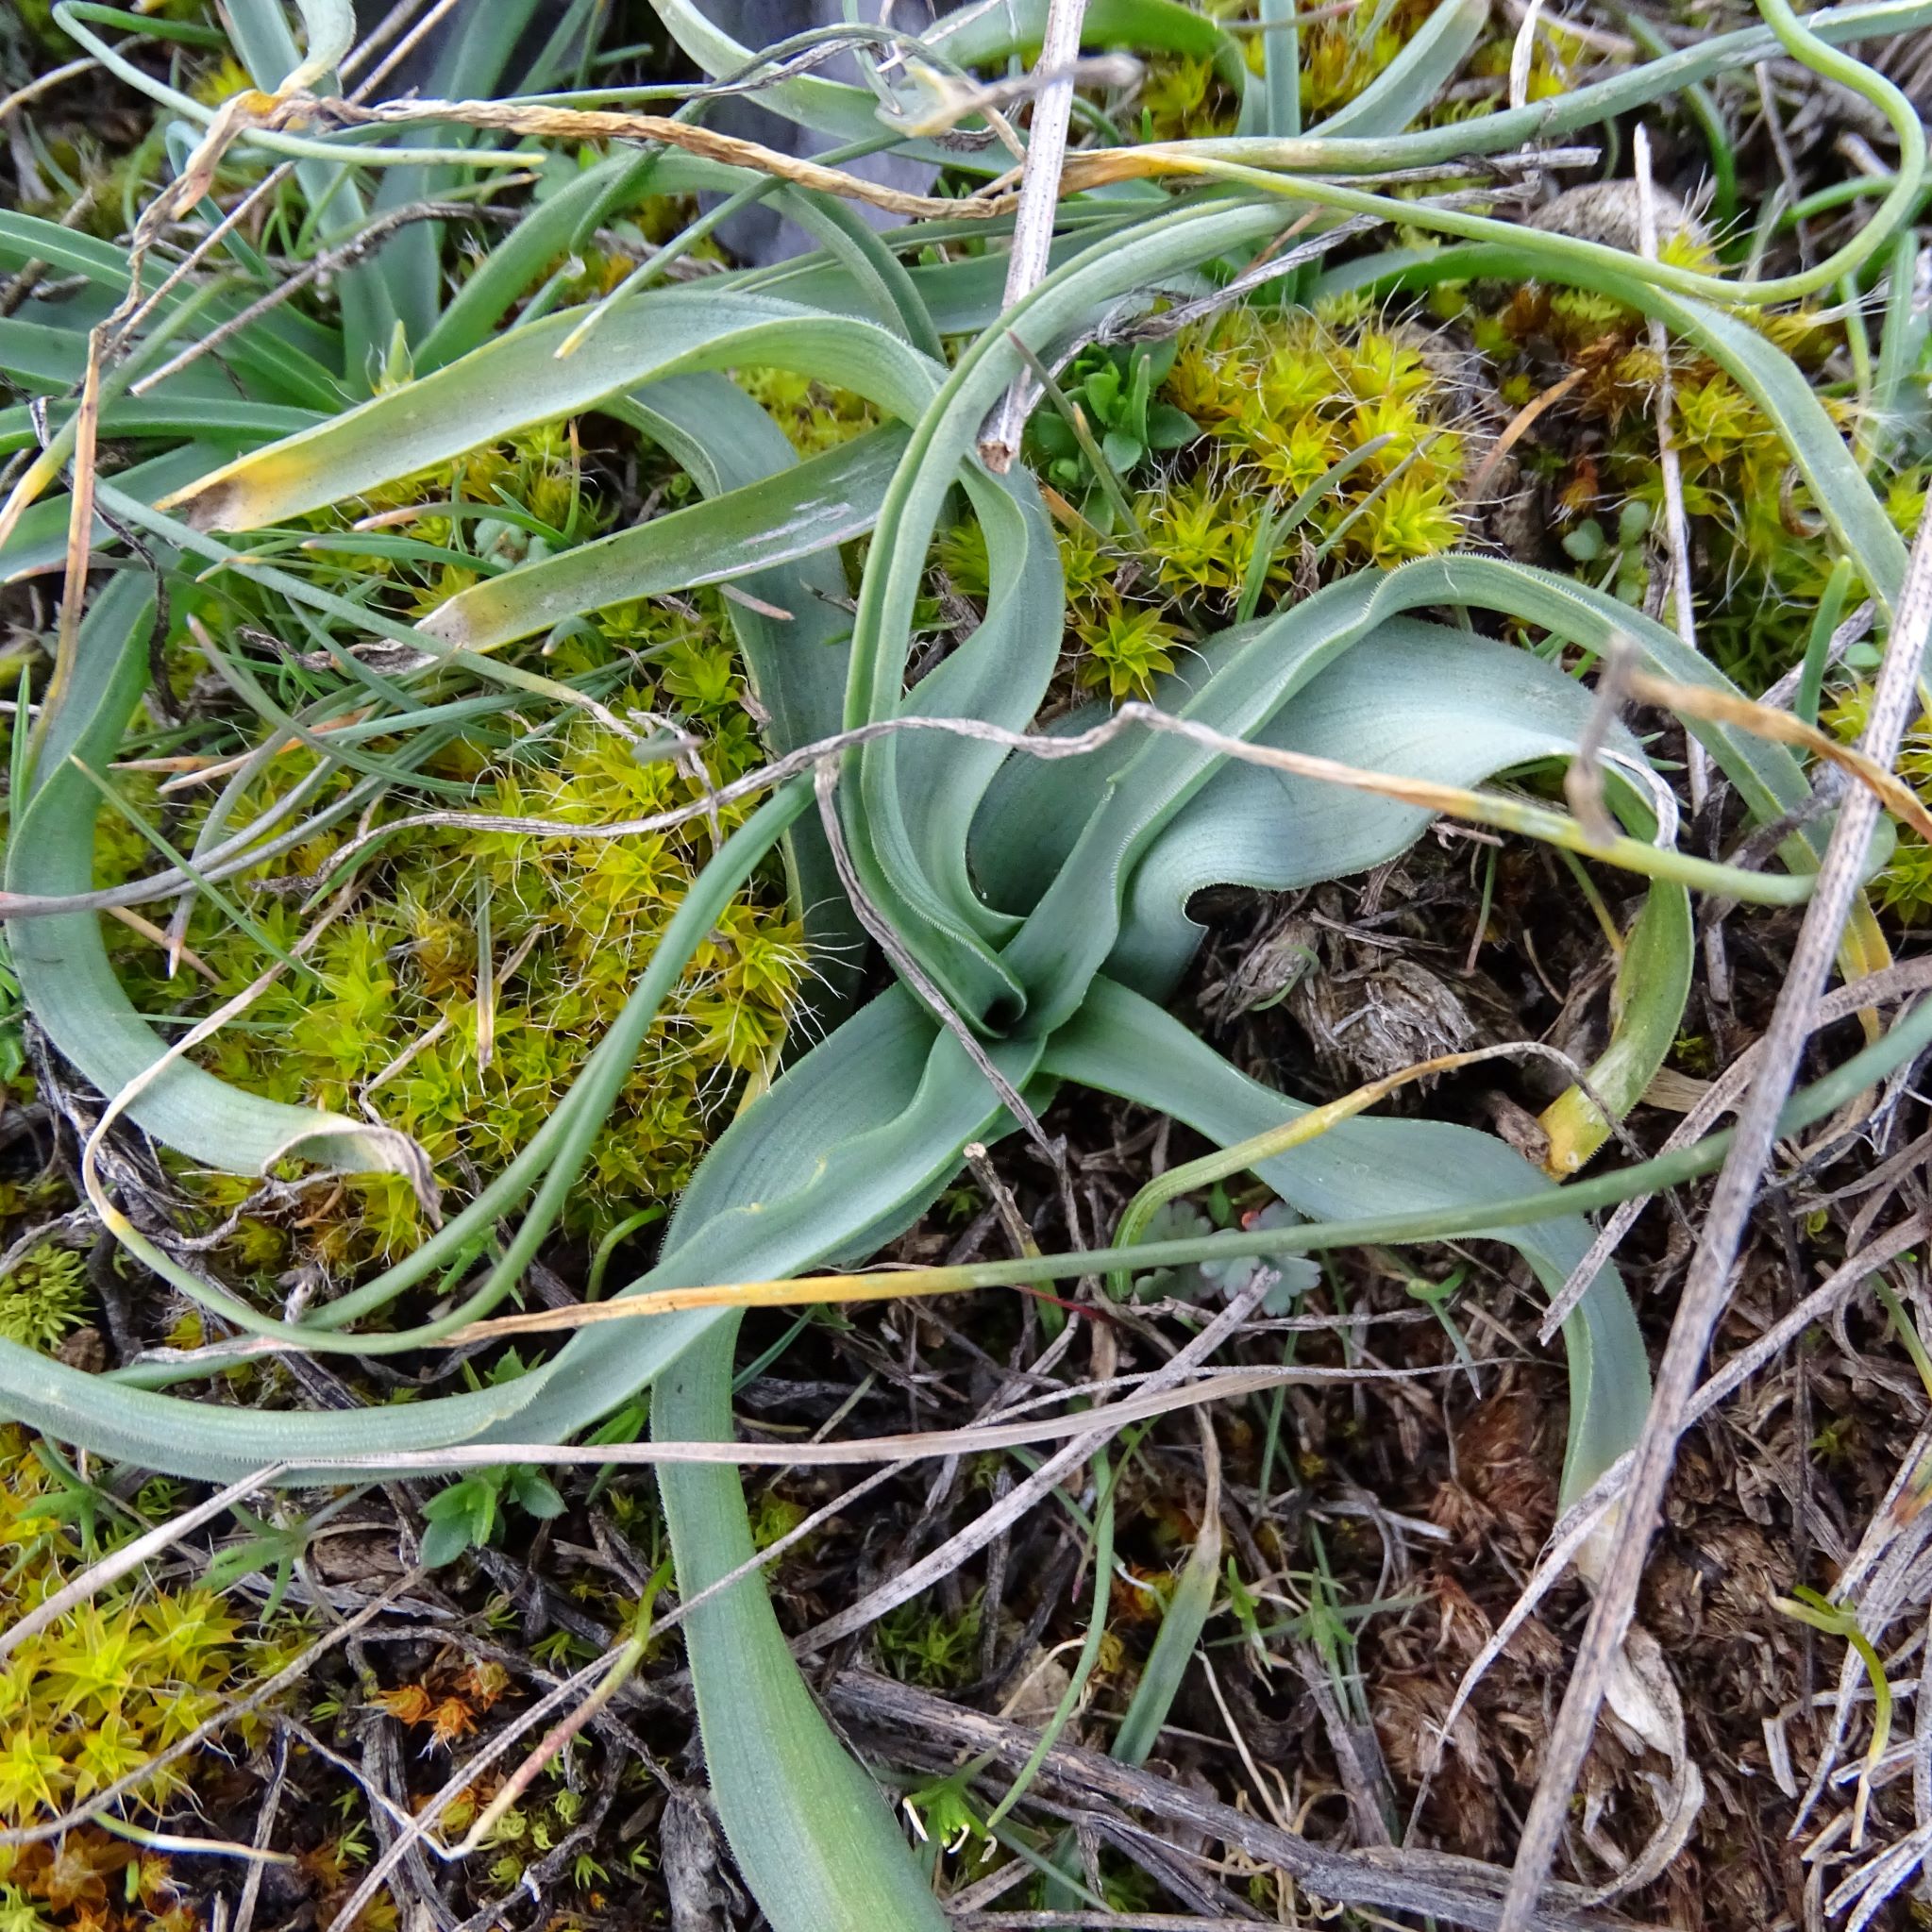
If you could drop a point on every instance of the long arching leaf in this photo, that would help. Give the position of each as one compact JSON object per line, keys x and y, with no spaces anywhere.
{"x":62,"y":963}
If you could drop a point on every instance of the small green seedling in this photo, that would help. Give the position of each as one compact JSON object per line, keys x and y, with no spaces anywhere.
{"x":1809,"y":1606}
{"x":1222,"y":1280}
{"x":942,"y":1814}
{"x":465,"y":1516}
{"x":1112,"y":388}
{"x":1624,"y":572}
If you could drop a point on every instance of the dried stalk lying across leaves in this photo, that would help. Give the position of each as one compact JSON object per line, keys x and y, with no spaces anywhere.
{"x":357,"y":603}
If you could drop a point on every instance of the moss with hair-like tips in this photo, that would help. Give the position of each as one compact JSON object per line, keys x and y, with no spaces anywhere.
{"x":1280,"y":399}
{"x":815,"y":416}
{"x":463,"y":991}
{"x":99,"y":1691}
{"x":1594,"y":452}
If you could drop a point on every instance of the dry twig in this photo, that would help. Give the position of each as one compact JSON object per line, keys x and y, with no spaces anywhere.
{"x":583,"y":123}
{"x":1039,"y":195}
{"x":1706,"y":1283}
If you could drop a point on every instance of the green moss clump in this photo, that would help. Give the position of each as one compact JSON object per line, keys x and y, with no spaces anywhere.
{"x":814,"y":416}
{"x":1284,"y":398}
{"x":470,"y":1052}
{"x":95,"y":1695}
{"x":1127,"y":649}
{"x":919,"y":1643}
{"x":1183,"y":98}
{"x":1341,"y":55}
{"x":43,"y":1298}
{"x":463,"y":991}
{"x":1758,"y":533}
{"x":1904,"y":886}
{"x":1281,"y":399}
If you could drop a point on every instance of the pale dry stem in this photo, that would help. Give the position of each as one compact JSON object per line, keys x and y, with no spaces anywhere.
{"x":1707,"y":1282}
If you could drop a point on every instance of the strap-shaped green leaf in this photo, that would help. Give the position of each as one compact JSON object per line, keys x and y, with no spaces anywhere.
{"x":811,"y":1835}
{"x":39,"y":542}
{"x":796,"y":663}
{"x":1128,"y":1046}
{"x":1646,"y":1016}
{"x":1000,"y":674}
{"x":284,"y":357}
{"x":470,"y":65}
{"x":886,"y":290}
{"x":516,"y":381}
{"x":1075,"y":925}
{"x":1427,"y":62}
{"x":804,"y":509}
{"x":223,"y":422}
{"x":978,"y":984}
{"x":50,"y":358}
{"x":62,"y":963}
{"x":260,"y":30}
{"x":962,"y":297}
{"x":331,"y":28}
{"x":1416,"y":699}
{"x":519,"y":260}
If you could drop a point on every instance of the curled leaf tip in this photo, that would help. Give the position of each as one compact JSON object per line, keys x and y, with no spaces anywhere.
{"x":356,"y":1147}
